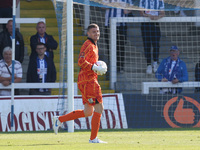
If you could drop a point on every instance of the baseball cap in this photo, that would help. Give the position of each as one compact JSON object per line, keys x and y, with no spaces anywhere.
{"x":174,"y":47}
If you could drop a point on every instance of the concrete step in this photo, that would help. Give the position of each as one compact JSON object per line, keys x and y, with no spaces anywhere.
{"x":37,"y":14}
{"x":36,"y":5}
{"x":52,"y":22}
{"x":29,"y":31}
{"x":27,"y":39}
{"x":104,"y":85}
{"x":79,"y":40}
{"x":185,"y":38}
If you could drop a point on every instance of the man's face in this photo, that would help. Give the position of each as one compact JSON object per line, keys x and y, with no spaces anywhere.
{"x":7,"y":56}
{"x":40,"y":49}
{"x":94,"y":34}
{"x":174,"y":54}
{"x":9,"y":26}
{"x":41,"y":28}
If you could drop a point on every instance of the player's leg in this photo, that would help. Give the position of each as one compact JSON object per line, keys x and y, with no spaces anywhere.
{"x":95,"y":123}
{"x":72,"y":116}
{"x":94,"y":100}
{"x":58,"y":120}
{"x":88,"y":110}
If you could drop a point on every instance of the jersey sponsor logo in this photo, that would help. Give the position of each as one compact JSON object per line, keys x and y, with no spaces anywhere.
{"x":82,"y":54}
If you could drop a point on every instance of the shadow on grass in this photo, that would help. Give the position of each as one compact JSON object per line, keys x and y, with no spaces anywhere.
{"x":32,"y":145}
{"x":108,"y":130}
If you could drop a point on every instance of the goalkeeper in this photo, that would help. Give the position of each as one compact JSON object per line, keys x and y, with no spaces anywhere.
{"x":88,"y":85}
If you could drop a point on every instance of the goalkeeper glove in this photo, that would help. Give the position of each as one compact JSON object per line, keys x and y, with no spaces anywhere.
{"x":99,"y":69}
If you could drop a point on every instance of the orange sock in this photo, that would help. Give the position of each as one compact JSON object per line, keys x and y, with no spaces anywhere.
{"x":95,"y":123}
{"x":72,"y":115}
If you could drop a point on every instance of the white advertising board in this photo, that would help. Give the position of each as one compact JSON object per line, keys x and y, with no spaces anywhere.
{"x":34,"y":113}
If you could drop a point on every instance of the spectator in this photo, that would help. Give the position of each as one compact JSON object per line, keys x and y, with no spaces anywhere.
{"x":6,"y":40}
{"x":121,"y":31}
{"x":151,"y":31}
{"x":197,"y":75}
{"x":6,"y":71}
{"x":42,"y":37}
{"x":6,"y":9}
{"x":41,"y":69}
{"x":172,"y":69}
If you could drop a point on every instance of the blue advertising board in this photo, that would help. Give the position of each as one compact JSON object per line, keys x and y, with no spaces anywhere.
{"x":162,"y":111}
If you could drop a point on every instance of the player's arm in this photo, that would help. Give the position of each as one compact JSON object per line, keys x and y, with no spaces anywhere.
{"x":85,"y":59}
{"x":85,"y":55}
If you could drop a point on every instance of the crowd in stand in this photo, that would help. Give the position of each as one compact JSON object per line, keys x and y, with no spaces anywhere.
{"x":41,"y":68}
{"x":172,"y":69}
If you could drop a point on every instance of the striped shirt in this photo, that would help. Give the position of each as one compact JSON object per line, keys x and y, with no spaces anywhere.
{"x":152,"y":4}
{"x":4,"y":73}
{"x":116,"y":12}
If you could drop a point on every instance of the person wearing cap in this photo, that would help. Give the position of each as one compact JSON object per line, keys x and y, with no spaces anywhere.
{"x":172,"y":69}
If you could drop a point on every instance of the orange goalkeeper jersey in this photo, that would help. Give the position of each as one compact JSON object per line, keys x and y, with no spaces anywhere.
{"x":87,"y":78}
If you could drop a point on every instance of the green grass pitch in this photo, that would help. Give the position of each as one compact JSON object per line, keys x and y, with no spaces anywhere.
{"x":130,"y":139}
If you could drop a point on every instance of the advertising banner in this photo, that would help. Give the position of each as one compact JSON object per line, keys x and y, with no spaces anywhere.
{"x":34,"y":113}
{"x":162,"y":111}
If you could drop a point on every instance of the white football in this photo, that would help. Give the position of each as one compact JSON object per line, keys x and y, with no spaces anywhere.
{"x":102,"y":64}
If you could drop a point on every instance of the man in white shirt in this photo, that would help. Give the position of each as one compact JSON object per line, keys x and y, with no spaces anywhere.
{"x":151,"y":31}
{"x":6,"y":71}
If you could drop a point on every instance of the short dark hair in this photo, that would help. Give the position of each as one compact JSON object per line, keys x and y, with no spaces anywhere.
{"x":9,"y":21}
{"x":40,"y":43}
{"x":93,"y":25}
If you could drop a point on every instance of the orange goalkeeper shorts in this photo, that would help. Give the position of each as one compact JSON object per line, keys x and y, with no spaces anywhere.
{"x":91,"y":92}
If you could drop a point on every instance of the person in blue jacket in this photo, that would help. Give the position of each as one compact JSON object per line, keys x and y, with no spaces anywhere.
{"x":172,"y":69}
